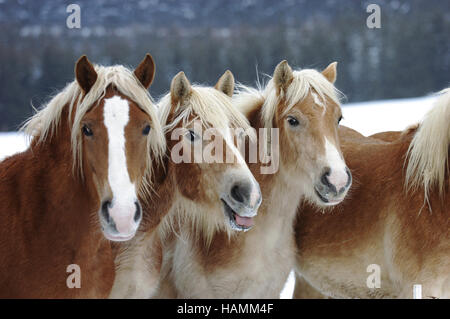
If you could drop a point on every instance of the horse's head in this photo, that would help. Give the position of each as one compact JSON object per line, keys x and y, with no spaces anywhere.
{"x":209,"y":172}
{"x":305,"y":107}
{"x":117,"y":134}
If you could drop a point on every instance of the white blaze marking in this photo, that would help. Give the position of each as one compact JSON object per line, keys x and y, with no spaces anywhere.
{"x":319,"y":102}
{"x":255,"y":193}
{"x":116,"y":116}
{"x":338,"y":175}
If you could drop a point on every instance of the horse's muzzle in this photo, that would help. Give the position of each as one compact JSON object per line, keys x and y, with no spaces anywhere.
{"x":120,"y":221}
{"x":333,"y":186}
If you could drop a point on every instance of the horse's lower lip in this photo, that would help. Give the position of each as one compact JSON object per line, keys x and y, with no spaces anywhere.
{"x":118,"y":238}
{"x":327,"y":201}
{"x":323,"y":199}
{"x":334,"y":202}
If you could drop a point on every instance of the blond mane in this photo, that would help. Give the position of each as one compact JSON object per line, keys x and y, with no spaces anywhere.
{"x":428,"y":151}
{"x":44,"y":123}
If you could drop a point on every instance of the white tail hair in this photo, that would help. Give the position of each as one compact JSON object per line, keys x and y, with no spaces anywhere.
{"x":428,"y":152}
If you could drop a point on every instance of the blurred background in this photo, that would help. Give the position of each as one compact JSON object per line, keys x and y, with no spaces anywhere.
{"x":408,"y":56}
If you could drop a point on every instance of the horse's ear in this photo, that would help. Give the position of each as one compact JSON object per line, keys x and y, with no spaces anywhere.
{"x":85,"y":73}
{"x":180,"y":88}
{"x":226,"y":83}
{"x":330,"y":72}
{"x":145,"y":72}
{"x":283,"y":76}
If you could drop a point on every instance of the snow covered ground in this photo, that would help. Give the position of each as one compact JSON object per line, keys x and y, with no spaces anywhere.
{"x":389,"y":115}
{"x":11,"y":143}
{"x":367,"y":117}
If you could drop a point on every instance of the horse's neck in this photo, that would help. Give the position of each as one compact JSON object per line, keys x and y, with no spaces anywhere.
{"x":159,"y":202}
{"x":52,"y":201}
{"x":49,"y":222}
{"x":281,"y":196}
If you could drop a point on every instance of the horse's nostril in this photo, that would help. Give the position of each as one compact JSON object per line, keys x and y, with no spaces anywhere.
{"x":236,"y":193}
{"x":326,"y":182}
{"x":240,"y":192}
{"x":105,"y":212}
{"x":138,"y":214}
{"x":324,"y":178}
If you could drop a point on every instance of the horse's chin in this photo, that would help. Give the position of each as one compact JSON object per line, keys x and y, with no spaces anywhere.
{"x":234,"y":220}
{"x":322,"y":202}
{"x":118,"y":238}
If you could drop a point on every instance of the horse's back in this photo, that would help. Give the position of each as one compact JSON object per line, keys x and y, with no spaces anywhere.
{"x":388,"y":136}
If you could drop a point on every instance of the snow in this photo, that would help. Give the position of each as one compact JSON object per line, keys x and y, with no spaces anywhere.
{"x":366,"y":117}
{"x":389,"y":115}
{"x":11,"y":143}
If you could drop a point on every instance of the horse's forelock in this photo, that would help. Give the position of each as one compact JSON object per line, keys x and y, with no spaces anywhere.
{"x":208,"y":105}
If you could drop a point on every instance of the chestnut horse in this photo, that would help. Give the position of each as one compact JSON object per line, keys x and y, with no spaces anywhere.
{"x":199,"y":195}
{"x":395,"y":219}
{"x":76,"y":187}
{"x":304,"y":107}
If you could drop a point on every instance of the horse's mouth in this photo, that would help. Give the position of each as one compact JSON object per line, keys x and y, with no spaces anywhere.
{"x":236,"y":221}
{"x":323,"y":199}
{"x":117,"y":238}
{"x":326,"y":201}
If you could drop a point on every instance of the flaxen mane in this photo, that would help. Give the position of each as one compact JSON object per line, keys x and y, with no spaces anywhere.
{"x":43,"y":124}
{"x":428,"y":152}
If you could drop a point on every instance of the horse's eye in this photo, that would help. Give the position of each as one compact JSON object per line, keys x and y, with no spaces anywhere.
{"x":340,"y":119}
{"x":87,"y":131}
{"x":146,"y":130}
{"x":293,"y":121}
{"x":191,"y":136}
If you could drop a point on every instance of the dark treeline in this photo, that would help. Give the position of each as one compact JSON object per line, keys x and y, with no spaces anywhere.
{"x":409,"y":55}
